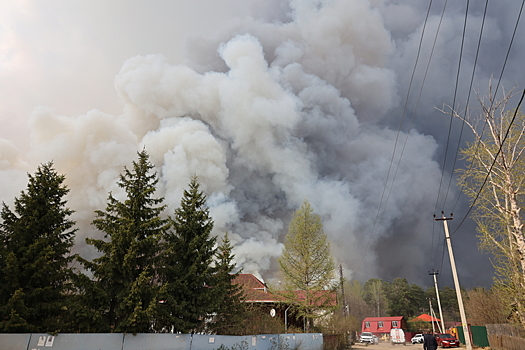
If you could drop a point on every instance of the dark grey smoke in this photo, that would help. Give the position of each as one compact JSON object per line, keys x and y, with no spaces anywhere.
{"x":301,"y":101}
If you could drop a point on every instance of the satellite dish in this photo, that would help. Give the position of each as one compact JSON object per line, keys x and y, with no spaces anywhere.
{"x":272,"y":312}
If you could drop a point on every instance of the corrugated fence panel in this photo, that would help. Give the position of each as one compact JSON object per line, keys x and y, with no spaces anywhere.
{"x":310,"y":341}
{"x":14,"y":341}
{"x":158,"y":341}
{"x":65,"y":341}
{"x":212,"y":342}
{"x":268,"y":342}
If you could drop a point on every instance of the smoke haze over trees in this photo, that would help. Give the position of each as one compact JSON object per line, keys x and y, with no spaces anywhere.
{"x":151,"y":275}
{"x":291,"y":100}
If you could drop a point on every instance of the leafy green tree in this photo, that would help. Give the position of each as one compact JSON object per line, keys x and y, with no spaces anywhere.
{"x":230,"y":316}
{"x":124,"y":294}
{"x":375,"y":296}
{"x":494,"y":179}
{"x":188,"y":273}
{"x":358,"y":307}
{"x":417,"y":299}
{"x":36,"y":240}
{"x":449,"y":302}
{"x":307,"y":265}
{"x":404,"y":299}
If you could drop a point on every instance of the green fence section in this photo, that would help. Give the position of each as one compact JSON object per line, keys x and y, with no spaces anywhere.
{"x":478,"y":335}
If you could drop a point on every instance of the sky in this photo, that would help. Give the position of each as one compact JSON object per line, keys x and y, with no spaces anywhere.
{"x":269,"y":103}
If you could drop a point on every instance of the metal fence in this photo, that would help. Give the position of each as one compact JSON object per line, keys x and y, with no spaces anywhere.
{"x":505,"y":336}
{"x":160,"y":341}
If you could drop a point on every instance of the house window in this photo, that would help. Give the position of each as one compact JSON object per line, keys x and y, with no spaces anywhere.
{"x":367,"y":324}
{"x":394,"y":324}
{"x":380,"y":324}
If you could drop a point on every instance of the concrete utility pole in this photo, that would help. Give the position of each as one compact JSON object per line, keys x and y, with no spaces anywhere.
{"x":431,"y":312}
{"x":434,"y":273}
{"x":464,"y":324}
{"x":342,"y":280}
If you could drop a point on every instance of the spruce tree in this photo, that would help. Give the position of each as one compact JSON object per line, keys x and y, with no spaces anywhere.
{"x":188,"y":273}
{"x":230,"y":315}
{"x":36,"y":240}
{"x":125,"y":275}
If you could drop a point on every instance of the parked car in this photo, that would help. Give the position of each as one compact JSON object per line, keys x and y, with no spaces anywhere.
{"x":447,"y":340}
{"x":417,"y":339}
{"x":367,"y":337}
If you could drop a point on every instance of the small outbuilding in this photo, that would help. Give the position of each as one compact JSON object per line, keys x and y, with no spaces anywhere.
{"x":427,"y":322}
{"x":379,"y":326}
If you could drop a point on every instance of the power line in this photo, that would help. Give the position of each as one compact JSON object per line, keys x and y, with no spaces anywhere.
{"x":453,"y":107}
{"x":510,"y":125}
{"x":415,"y":108}
{"x":468,"y":96}
{"x":395,"y":143}
{"x":497,"y":86}
{"x":493,"y":162}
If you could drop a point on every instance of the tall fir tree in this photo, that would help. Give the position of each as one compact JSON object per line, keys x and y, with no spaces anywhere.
{"x":188,"y":272}
{"x":125,"y":275}
{"x":36,"y":240}
{"x":230,"y":315}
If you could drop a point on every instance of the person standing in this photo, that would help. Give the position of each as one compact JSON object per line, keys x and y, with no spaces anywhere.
{"x":429,"y":342}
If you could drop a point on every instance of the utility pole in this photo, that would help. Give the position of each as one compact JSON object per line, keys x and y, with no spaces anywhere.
{"x":434,"y":273}
{"x":431,"y":312}
{"x":464,"y":324}
{"x":345,"y":305}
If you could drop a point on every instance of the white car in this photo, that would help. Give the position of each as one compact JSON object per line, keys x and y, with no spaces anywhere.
{"x":367,"y":337}
{"x":417,"y":339}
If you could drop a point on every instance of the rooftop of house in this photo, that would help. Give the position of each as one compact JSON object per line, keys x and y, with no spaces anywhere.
{"x":386,"y":318}
{"x":256,"y":292}
{"x":425,"y":318}
{"x":247,"y":280}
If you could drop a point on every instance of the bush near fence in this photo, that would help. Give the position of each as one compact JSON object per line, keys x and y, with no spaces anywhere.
{"x":505,"y":337}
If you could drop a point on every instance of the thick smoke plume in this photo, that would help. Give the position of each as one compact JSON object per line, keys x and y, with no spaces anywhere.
{"x":267,"y":114}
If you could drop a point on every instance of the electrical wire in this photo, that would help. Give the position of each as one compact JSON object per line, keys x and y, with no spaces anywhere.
{"x":416,"y":106}
{"x":453,"y":108}
{"x":497,"y":87}
{"x":468,"y":98}
{"x":396,"y":141}
{"x":512,"y":121}
{"x":493,"y":162}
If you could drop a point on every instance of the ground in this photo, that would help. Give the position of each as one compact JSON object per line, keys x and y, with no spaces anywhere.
{"x":385,"y":346}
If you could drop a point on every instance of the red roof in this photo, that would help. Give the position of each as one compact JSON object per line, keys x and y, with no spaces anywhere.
{"x":254,"y":289}
{"x":256,"y":292}
{"x":386,"y":318}
{"x":425,"y":318}
{"x":248,"y":280}
{"x":319,"y":298}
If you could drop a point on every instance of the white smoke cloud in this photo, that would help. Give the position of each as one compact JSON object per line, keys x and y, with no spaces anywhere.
{"x":269,"y":131}
{"x":267,"y":113}
{"x":12,"y":171}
